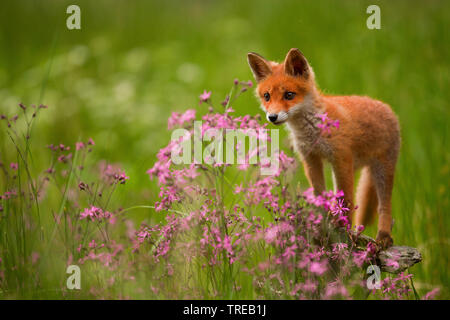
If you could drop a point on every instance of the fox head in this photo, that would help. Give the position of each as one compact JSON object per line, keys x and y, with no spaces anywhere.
{"x":282,"y":87}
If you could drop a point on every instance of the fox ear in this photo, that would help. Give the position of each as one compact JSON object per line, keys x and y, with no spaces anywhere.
{"x":295,"y":64}
{"x":260,"y":66}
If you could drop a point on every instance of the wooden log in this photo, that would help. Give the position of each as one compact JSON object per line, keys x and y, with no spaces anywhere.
{"x":394,"y":259}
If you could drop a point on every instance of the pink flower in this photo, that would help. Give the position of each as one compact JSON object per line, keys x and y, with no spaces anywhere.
{"x":271,"y":234}
{"x":14,"y":166}
{"x":79,"y":146}
{"x":361,"y":257}
{"x":227,"y":244}
{"x":323,"y":117}
{"x":205,"y":96}
{"x":34,"y":257}
{"x":392,"y":263}
{"x":432,"y":294}
{"x":121,"y":178}
{"x":290,"y":252}
{"x":177,"y":119}
{"x":334,"y":289}
{"x":309,"y":286}
{"x":65,"y":158}
{"x":238,"y":189}
{"x":339,"y":208}
{"x":326,"y":123}
{"x":339,"y":250}
{"x":94,"y":213}
{"x":318,"y":268}
{"x":91,"y":212}
{"x":142,"y":235}
{"x":92,"y":244}
{"x":112,"y":174}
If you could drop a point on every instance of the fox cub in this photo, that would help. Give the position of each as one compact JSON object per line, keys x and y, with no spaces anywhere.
{"x":368,"y":136}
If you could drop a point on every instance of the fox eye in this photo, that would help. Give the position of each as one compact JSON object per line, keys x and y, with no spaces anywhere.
{"x":288,"y":95}
{"x":267,"y":96}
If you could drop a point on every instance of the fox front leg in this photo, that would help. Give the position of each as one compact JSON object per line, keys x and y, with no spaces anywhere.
{"x":313,"y":166}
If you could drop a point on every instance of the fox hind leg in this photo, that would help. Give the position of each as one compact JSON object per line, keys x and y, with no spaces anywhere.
{"x":383,"y":177}
{"x":366,"y":199}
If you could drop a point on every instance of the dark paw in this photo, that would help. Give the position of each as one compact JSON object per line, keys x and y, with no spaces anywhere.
{"x":384,"y":240}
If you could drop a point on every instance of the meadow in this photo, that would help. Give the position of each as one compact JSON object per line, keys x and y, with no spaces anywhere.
{"x":117,"y":81}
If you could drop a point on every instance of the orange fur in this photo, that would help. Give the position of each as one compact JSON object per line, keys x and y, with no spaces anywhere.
{"x":368,"y":136}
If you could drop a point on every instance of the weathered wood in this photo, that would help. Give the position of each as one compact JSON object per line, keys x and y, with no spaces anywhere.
{"x":405,"y":257}
{"x":394,"y":259}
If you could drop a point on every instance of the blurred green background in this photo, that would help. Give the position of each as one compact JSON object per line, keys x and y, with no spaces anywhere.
{"x":133,"y":62}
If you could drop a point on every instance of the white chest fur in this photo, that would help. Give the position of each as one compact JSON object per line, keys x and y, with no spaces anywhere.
{"x":306,"y":136}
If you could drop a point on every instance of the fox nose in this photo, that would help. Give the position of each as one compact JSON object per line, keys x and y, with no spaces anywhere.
{"x":272,"y":117}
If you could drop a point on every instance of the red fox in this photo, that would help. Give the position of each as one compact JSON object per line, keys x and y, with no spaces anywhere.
{"x":368,"y":136}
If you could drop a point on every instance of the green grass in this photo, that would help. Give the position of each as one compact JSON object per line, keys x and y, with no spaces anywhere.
{"x":119,"y":77}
